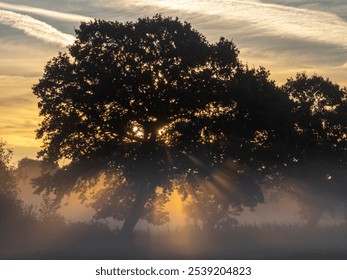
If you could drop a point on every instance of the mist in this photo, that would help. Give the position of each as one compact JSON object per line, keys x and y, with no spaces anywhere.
{"x":278,"y":228}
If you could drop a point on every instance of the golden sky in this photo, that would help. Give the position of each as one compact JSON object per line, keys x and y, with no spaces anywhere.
{"x":284,"y":36}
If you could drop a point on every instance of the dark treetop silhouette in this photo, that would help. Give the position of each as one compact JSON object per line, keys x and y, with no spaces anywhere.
{"x":147,"y":102}
{"x":317,"y":173}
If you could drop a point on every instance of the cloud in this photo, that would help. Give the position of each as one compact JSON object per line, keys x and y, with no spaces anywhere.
{"x":35,"y":28}
{"x":13,"y":102}
{"x":44,"y":12}
{"x":268,"y":19}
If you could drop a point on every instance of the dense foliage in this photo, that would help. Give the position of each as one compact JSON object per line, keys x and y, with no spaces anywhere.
{"x":150,"y":103}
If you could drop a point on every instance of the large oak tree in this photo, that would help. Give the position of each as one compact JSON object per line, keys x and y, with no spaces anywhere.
{"x":146,"y":101}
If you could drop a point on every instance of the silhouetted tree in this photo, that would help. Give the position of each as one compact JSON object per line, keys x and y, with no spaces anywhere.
{"x":28,"y":169}
{"x":317,"y":172}
{"x":8,"y":185}
{"x":49,"y":210}
{"x":211,"y":211}
{"x":10,"y":205}
{"x":151,"y":100}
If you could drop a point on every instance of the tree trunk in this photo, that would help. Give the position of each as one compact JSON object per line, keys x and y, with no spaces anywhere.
{"x":135,"y":213}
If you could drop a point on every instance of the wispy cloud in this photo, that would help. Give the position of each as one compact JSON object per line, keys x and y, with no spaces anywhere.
{"x":268,"y":19}
{"x":44,"y":12}
{"x":35,"y":28}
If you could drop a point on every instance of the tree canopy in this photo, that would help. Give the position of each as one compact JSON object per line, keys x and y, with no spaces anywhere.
{"x":317,"y":173}
{"x":150,"y":98}
{"x":144,"y":103}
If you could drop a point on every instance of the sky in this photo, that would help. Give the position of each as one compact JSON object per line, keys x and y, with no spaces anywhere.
{"x":284,"y":36}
